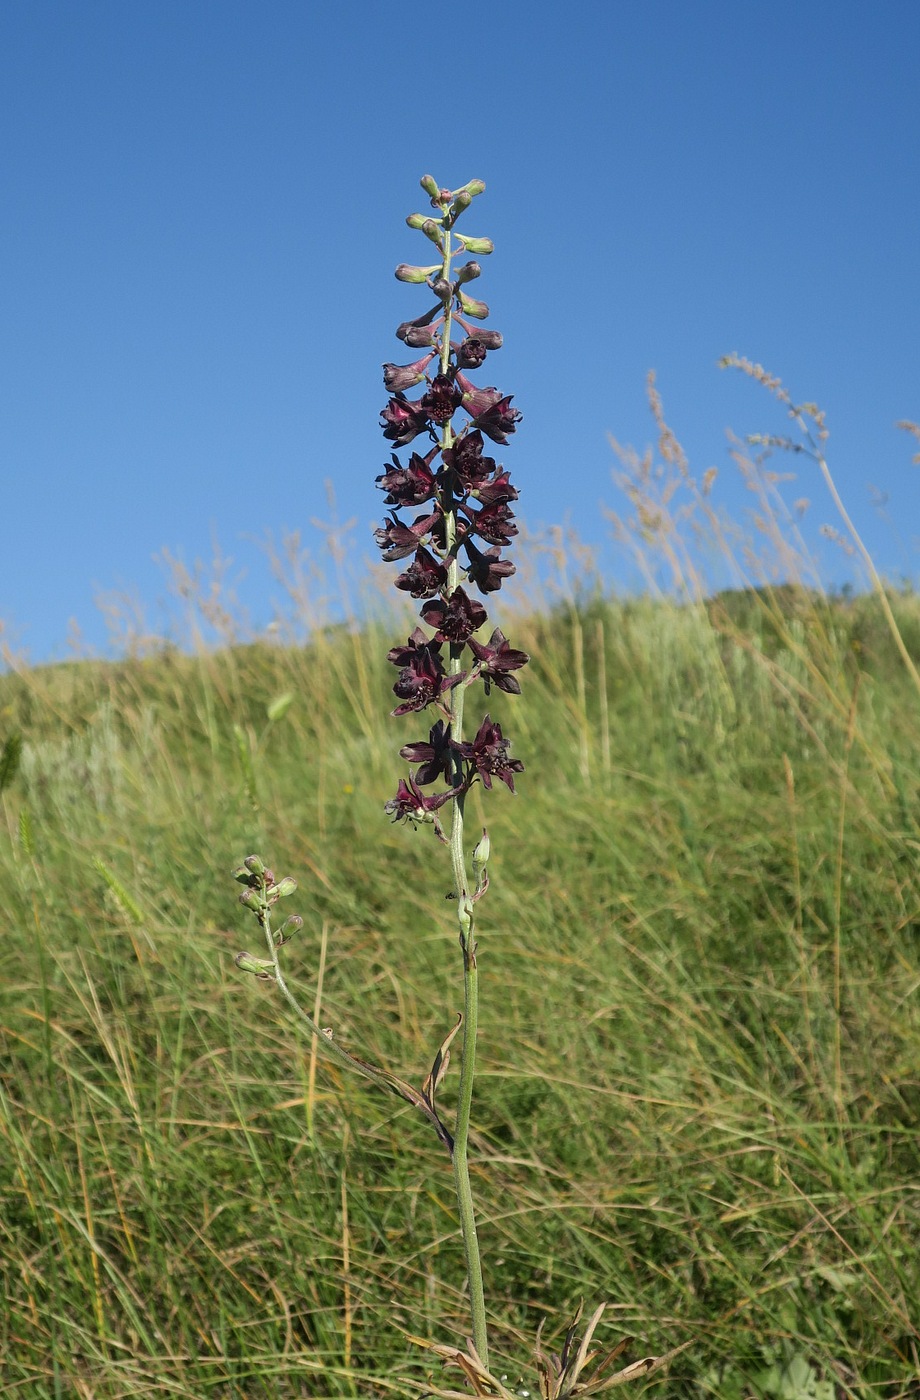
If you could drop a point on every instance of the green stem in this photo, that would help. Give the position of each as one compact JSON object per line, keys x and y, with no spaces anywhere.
{"x":459,"y":1154}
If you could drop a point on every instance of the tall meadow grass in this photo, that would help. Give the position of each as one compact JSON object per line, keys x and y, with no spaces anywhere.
{"x":699,"y":1089}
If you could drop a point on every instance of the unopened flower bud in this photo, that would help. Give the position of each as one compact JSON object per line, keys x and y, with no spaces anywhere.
{"x":481,"y":853}
{"x":441,"y":287}
{"x":268,"y":876}
{"x":254,"y":864}
{"x":251,"y":899}
{"x":430,"y":185}
{"x":291,"y":926}
{"x":468,"y":273}
{"x":398,"y":378}
{"x":444,"y":196}
{"x":416,"y":337}
{"x":479,"y":310}
{"x":461,"y":201}
{"x":242,"y":874}
{"x":407,"y":273}
{"x":480,"y":246}
{"x":431,"y":228}
{"x":472,"y":188}
{"x":492,"y":340}
{"x":259,"y":967}
{"x":419,"y":323}
{"x":283,"y":888}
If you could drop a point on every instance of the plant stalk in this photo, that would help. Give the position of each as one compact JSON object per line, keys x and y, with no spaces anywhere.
{"x":459,"y":1153}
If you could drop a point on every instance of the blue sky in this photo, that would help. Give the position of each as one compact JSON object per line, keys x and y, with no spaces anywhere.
{"x":203,"y":203}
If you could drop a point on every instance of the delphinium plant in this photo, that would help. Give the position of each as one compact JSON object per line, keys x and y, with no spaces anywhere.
{"x":449,"y":521}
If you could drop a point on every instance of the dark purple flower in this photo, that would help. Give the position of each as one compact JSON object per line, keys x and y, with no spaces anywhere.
{"x":396,"y":378}
{"x":489,"y":340}
{"x":416,"y":641}
{"x":402,"y":421}
{"x":465,"y":459}
{"x":486,"y":570}
{"x":457,"y":619}
{"x":494,"y":523}
{"x":497,"y":659}
{"x":470,"y":353}
{"x":498,"y":489}
{"x":424,"y":576}
{"x":411,"y":804}
{"x":476,"y":400}
{"x":489,"y":755}
{"x":489,"y":409}
{"x":410,"y":485}
{"x":436,"y":757}
{"x":421,"y":679}
{"x":441,"y":400}
{"x":499,"y":420}
{"x":397,"y":540}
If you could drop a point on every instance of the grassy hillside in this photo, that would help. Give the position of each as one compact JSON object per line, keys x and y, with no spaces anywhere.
{"x":700,"y":1045}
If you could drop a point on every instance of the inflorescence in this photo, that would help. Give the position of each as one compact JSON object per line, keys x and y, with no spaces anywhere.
{"x":465,"y":520}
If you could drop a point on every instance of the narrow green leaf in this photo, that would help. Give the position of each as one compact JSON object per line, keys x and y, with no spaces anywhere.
{"x":10,"y":755}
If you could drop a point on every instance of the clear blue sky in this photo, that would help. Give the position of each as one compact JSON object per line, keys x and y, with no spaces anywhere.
{"x":203,"y":201}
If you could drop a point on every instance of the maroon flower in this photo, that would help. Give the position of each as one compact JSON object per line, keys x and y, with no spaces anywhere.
{"x":457,"y":619}
{"x":489,"y":340}
{"x":486,"y":570}
{"x":396,"y":378}
{"x":424,"y":576}
{"x":498,"y":489}
{"x":469,"y":466}
{"x":411,"y":804}
{"x":410,"y":485}
{"x":441,"y":400}
{"x":470,"y":353}
{"x":400,"y":656}
{"x":476,"y":400}
{"x":494,"y":523}
{"x":402,"y":421}
{"x":488,"y":754}
{"x":497,"y":660}
{"x":436,"y":757}
{"x":397,"y":540}
{"x":499,"y":420}
{"x":489,"y":409}
{"x":422,"y":677}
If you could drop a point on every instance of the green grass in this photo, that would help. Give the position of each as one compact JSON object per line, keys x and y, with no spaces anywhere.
{"x":699,"y":1095}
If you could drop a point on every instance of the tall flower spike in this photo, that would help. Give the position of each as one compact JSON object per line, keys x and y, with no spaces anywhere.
{"x":466,"y":494}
